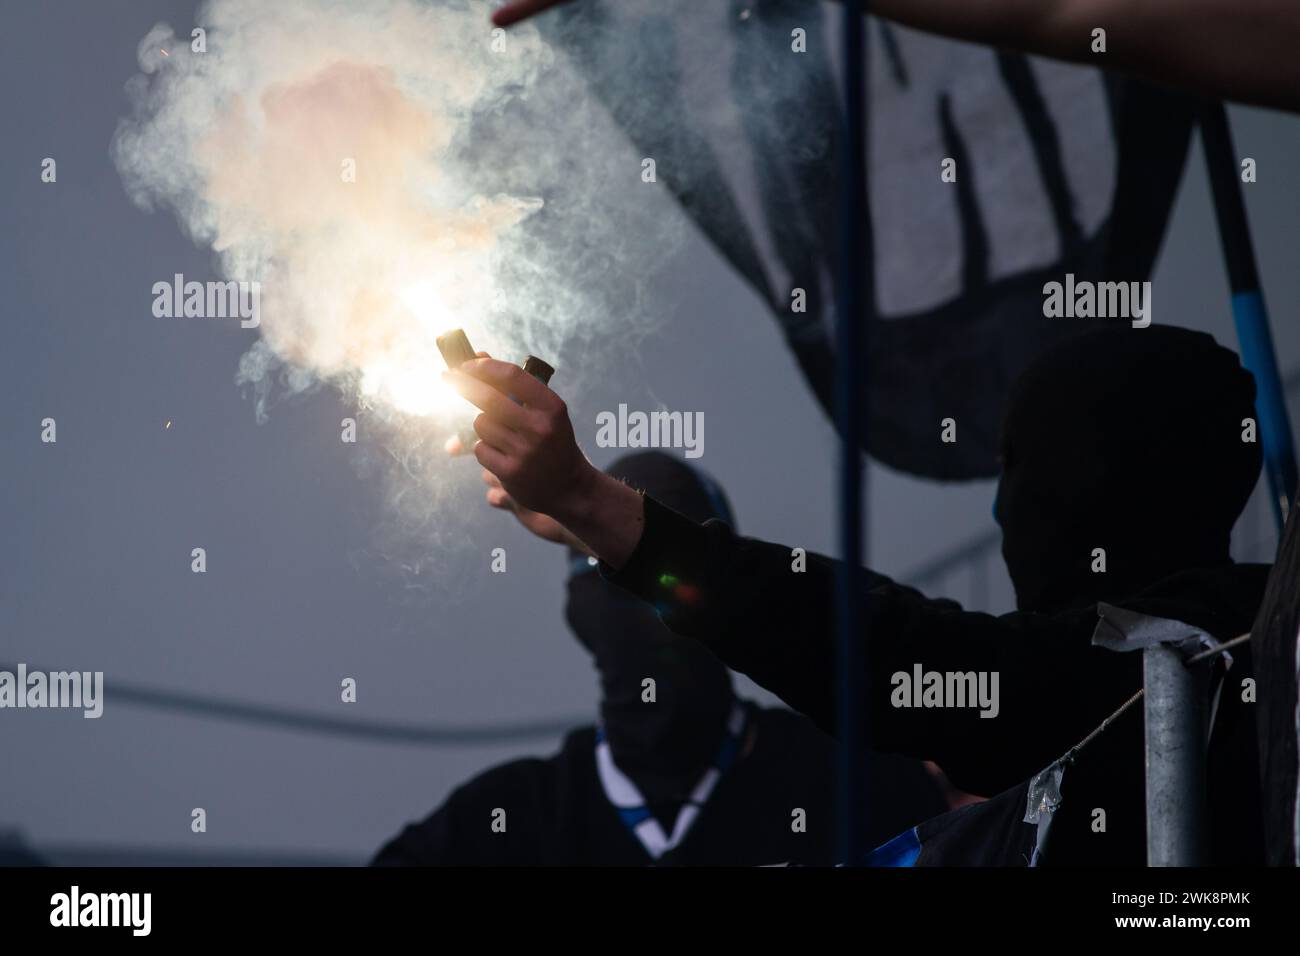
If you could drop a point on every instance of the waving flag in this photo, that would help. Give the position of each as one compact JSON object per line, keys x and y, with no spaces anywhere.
{"x":990,"y":174}
{"x":1009,"y":829}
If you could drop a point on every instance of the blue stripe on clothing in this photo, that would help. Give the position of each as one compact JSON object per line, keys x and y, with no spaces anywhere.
{"x":902,"y":850}
{"x":632,"y":816}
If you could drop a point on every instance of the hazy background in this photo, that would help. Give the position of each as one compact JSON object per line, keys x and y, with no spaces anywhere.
{"x":97,"y":529}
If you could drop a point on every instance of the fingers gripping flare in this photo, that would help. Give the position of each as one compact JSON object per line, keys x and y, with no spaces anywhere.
{"x":511,"y":380}
{"x":457,"y":351}
{"x":485,"y":392}
{"x":530,"y":446}
{"x":498,"y":436}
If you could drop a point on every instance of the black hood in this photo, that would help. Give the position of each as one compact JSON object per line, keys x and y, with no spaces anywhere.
{"x":665,"y":745}
{"x":1128,"y":440}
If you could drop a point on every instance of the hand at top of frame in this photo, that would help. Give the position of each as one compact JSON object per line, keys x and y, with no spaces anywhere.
{"x":521,"y":10}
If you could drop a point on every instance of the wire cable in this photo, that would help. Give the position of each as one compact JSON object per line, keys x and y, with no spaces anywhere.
{"x":283,"y":718}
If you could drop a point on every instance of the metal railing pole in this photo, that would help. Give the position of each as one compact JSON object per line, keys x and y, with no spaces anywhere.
{"x":1175,"y":711}
{"x":1177,"y":695}
{"x":851,"y":808}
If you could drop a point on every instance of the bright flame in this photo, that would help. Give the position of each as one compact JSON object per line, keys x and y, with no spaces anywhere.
{"x":423,"y":300}
{"x":408,"y":373}
{"x":413,"y":386}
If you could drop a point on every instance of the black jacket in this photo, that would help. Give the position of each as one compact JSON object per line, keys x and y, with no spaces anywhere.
{"x":557,"y":812}
{"x":743,"y":598}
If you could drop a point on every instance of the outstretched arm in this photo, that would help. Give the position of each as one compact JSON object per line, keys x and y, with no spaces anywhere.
{"x":1239,"y":49}
{"x":767,"y":613}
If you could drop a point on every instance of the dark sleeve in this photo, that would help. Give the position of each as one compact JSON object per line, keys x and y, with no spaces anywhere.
{"x":745,"y":600}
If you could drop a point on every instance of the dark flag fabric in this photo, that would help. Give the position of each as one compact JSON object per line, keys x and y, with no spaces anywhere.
{"x":1274,"y":646}
{"x":989,"y":174}
{"x":1010,"y":829}
{"x":990,"y":833}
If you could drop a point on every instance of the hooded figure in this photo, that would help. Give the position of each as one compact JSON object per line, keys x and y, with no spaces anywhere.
{"x":1128,"y":455}
{"x":679,"y":771}
{"x":1132,"y":443}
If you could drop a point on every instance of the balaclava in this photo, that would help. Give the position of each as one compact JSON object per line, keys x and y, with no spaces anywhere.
{"x":1131,"y":441}
{"x":667,"y":745}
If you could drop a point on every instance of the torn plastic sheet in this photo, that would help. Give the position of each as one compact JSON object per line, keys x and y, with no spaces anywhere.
{"x":1122,"y":630}
{"x":1044,"y":800}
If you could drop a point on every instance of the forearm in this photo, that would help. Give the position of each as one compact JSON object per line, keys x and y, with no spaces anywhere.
{"x":764,"y":609}
{"x":1009,"y":23}
{"x":1240,"y":49}
{"x":604,"y":514}
{"x":741,"y":598}
{"x":767,"y":611}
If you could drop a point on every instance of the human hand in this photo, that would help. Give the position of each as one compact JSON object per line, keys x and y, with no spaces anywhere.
{"x":525,"y":437}
{"x":544,"y":526}
{"x":521,"y":10}
{"x":526,"y":441}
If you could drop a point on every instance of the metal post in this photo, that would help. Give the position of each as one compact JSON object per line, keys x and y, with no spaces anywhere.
{"x":851,"y":808}
{"x":1177,"y":695}
{"x":1176,"y":733}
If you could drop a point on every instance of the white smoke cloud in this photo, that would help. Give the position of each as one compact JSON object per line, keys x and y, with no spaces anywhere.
{"x":490,"y":193}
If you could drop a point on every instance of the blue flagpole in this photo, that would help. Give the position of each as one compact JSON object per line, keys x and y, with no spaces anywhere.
{"x":1253,"y":335}
{"x":850,"y":355}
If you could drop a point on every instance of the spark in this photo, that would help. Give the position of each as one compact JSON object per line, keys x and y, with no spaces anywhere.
{"x":168,"y":425}
{"x":163,"y":52}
